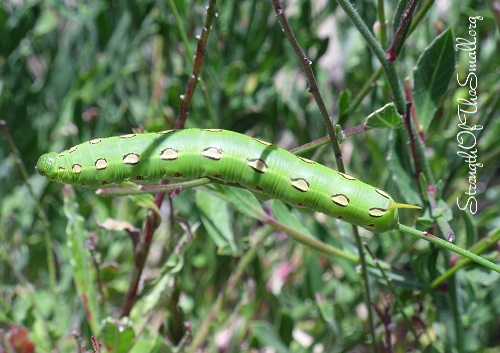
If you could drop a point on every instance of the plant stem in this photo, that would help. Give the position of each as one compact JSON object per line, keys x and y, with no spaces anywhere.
{"x":141,"y":253}
{"x":374,"y":45}
{"x":306,"y":63}
{"x":196,"y":71}
{"x":152,"y":189}
{"x":152,"y":221}
{"x":484,"y":244}
{"x":381,"y":19}
{"x":452,"y":247}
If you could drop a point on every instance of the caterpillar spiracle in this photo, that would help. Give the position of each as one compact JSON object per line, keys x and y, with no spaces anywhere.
{"x":228,"y":157}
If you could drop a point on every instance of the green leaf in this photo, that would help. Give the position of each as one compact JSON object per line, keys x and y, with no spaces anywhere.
{"x":327,"y":313}
{"x":344,"y":101}
{"x":243,"y":200}
{"x":118,"y":335}
{"x":285,"y":326}
{"x":46,"y":23}
{"x":217,"y":219}
{"x":266,"y":334}
{"x":283,"y":215}
{"x":424,"y":222}
{"x":149,"y":344}
{"x":145,"y":201}
{"x":404,"y":183}
{"x":84,"y":274}
{"x":432,"y":75}
{"x":385,"y":117}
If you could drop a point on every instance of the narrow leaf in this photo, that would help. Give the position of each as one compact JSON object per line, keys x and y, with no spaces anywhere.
{"x":83,"y":272}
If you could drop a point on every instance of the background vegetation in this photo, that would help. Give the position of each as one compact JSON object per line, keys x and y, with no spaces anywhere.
{"x":228,"y":281}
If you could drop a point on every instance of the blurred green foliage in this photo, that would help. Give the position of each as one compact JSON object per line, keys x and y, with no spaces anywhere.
{"x":71,"y":71}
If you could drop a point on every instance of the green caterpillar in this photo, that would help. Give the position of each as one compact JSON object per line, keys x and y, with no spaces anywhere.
{"x":228,"y":157}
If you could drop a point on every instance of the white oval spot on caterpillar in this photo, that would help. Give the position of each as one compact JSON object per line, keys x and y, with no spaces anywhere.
{"x":376,"y":212}
{"x":169,"y":154}
{"x":73,"y":149}
{"x":76,"y":168}
{"x":101,"y":163}
{"x":300,"y":184}
{"x":164,"y":132}
{"x":257,"y":164}
{"x":62,"y":154}
{"x":306,"y":160}
{"x":212,"y":153}
{"x":383,"y":193}
{"x":263,"y":142}
{"x":130,"y":158}
{"x":95,"y":141}
{"x":213,"y":130}
{"x":129,"y":136}
{"x":348,"y":177}
{"x":340,"y":199}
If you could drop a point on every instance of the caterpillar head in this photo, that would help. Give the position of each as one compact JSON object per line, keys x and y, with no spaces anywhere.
{"x":46,"y":165}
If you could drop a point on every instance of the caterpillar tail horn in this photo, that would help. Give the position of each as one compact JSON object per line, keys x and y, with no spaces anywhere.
{"x":395,"y":205}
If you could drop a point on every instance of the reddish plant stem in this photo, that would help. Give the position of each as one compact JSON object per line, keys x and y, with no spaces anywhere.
{"x":195,"y":73}
{"x":152,"y":220}
{"x":306,"y":65}
{"x":403,"y":26}
{"x":355,"y":130}
{"x":141,"y":253}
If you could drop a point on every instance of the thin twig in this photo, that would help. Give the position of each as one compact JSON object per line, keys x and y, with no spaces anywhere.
{"x":418,"y":149}
{"x":306,"y":63}
{"x":198,"y":61}
{"x":375,"y":47}
{"x":310,"y":146}
{"x":402,"y":30}
{"x":381,"y":19}
{"x":370,"y":83}
{"x":151,"y":189}
{"x":452,"y":247}
{"x":152,"y":220}
{"x":141,"y":253}
{"x":179,"y":21}
{"x":490,"y":240}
